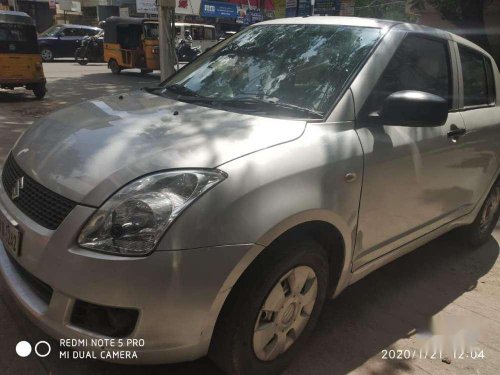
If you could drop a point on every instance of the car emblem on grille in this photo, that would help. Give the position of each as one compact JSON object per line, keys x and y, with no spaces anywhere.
{"x":16,"y":189}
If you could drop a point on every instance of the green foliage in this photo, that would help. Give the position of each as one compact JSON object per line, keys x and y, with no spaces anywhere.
{"x":452,"y":10}
{"x":385,"y":9}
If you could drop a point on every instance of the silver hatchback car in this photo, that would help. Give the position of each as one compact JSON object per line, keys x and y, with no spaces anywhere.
{"x":213,"y":214}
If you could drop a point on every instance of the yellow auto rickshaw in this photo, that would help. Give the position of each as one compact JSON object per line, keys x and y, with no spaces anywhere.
{"x":131,"y":43}
{"x":20,"y":61}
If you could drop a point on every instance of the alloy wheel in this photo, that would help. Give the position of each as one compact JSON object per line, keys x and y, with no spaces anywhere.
{"x":46,"y":54}
{"x":285,"y":313}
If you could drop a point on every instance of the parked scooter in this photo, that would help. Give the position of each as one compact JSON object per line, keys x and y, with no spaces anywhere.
{"x":186,"y":52}
{"x":90,"y":50}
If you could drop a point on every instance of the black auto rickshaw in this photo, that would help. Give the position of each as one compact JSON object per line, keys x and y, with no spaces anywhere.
{"x":20,"y":61}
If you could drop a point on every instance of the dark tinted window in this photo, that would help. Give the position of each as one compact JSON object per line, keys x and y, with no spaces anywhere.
{"x":69,"y":31}
{"x":419,"y":64}
{"x":88,"y":32}
{"x":15,"y":33}
{"x":17,"y":38}
{"x":209,"y":33}
{"x":197,"y":32}
{"x":478,"y":88}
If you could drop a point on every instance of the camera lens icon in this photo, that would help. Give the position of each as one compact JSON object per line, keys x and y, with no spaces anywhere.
{"x":24,"y":349}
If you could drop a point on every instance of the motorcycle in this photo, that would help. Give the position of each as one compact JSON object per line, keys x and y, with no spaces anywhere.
{"x":90,"y":50}
{"x":186,"y":52}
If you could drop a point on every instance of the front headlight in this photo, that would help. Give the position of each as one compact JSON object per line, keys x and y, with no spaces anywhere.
{"x":133,"y":220}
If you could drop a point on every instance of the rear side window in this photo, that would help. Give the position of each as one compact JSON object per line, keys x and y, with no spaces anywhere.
{"x":479,"y":88}
{"x":419,"y":64}
{"x":209,"y":33}
{"x":89,"y":32}
{"x":197,"y":32}
{"x":71,"y":32}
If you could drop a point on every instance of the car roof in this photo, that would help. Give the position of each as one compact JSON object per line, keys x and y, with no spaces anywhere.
{"x":194,"y":24}
{"x":332,"y":20}
{"x":80,"y":26}
{"x":373,"y":22}
{"x":9,"y":16}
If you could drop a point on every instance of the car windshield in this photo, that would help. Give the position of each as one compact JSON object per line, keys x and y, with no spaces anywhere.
{"x":52,"y":31}
{"x":276,"y":70}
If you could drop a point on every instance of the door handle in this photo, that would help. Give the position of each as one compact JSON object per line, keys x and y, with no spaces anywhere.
{"x":456,"y":132}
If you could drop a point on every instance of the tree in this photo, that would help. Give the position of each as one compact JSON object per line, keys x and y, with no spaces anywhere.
{"x":385,"y":9}
{"x":166,"y":18}
{"x":466,"y":15}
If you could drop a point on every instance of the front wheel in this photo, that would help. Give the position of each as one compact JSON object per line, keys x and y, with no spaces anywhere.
{"x":479,"y":232}
{"x":272,"y":310}
{"x":46,"y":54}
{"x":39,"y":90}
{"x":115,"y":68}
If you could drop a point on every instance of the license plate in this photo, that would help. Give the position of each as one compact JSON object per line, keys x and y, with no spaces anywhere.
{"x":10,"y":236}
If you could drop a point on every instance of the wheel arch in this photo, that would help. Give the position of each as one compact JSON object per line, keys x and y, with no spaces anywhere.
{"x":320,"y":225}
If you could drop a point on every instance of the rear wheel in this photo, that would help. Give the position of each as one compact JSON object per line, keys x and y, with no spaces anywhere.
{"x":115,"y":68}
{"x":46,"y":54}
{"x":39,"y":90}
{"x":272,"y":310}
{"x":479,"y":232}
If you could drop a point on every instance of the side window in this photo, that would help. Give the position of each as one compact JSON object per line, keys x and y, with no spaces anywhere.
{"x":479,"y":87}
{"x":197,"y":32}
{"x":72,"y":32}
{"x":89,"y":32}
{"x":419,"y":64}
{"x":209,"y":33}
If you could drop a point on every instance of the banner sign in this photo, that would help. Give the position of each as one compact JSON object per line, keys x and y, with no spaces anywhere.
{"x":146,"y":6}
{"x":187,"y":7}
{"x":279,"y":8}
{"x":304,"y":8}
{"x":327,"y":7}
{"x":191,"y":7}
{"x":218,"y":9}
{"x":291,"y":8}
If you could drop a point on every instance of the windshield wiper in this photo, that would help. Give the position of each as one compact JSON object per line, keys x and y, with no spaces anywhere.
{"x":254,"y":100}
{"x":175,"y":88}
{"x":182,"y":90}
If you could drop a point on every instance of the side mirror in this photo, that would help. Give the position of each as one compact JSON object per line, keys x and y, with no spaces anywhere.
{"x":414,"y":108}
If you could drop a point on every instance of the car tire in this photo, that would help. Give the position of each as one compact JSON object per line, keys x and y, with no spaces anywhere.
{"x":115,"y":68}
{"x":39,"y":90}
{"x":146,"y":71}
{"x":479,"y":232}
{"x":46,"y":54}
{"x":249,"y":338}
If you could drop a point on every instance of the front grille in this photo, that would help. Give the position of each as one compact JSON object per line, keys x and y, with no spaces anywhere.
{"x":37,"y":202}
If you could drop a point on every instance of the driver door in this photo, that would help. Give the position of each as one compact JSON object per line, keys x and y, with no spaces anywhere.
{"x":69,"y":38}
{"x":412,"y":181}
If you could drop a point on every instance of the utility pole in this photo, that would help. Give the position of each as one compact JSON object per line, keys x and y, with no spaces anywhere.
{"x":166,"y":18}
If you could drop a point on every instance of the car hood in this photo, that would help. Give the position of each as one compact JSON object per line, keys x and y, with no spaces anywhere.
{"x":88,"y":151}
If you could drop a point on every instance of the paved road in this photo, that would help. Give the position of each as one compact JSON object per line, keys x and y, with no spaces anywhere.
{"x":442,"y":282}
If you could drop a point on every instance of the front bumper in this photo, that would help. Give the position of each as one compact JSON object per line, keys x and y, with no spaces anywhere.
{"x":178,"y":294}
